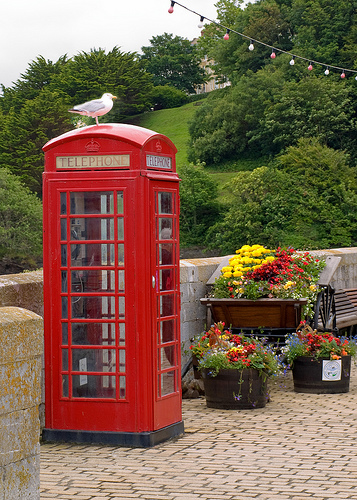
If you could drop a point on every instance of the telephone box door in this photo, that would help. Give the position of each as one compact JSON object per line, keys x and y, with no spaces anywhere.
{"x":166,"y":302}
{"x":91,"y":354}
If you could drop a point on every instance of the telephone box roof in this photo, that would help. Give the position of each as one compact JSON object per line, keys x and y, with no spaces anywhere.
{"x":137,"y":136}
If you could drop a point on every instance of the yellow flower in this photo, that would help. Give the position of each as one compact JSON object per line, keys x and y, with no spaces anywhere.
{"x":270,"y":258}
{"x":313,"y":288}
{"x":288,"y":284}
{"x":226,"y":269}
{"x":237,"y":274}
{"x":227,"y":274}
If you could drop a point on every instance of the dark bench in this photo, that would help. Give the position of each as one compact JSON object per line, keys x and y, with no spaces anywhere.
{"x":336,"y":311}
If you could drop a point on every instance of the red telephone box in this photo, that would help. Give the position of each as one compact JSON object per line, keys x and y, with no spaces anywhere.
{"x":111,"y":287}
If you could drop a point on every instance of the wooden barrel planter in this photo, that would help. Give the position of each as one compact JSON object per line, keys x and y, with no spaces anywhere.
{"x":322,"y":376}
{"x":264,"y":313}
{"x":235,"y":389}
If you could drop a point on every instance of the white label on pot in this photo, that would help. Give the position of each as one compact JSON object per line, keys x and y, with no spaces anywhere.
{"x":331,"y":369}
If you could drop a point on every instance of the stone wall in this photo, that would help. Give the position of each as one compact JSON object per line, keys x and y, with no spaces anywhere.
{"x":21,"y":347}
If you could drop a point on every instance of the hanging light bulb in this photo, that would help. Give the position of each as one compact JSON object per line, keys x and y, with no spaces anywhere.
{"x":226,"y":36}
{"x":251,"y":46}
{"x":272,"y":55}
{"x":327,"y":71}
{"x":309,"y":67}
{"x":292,"y":61}
{"x":171,"y":8}
{"x":343,"y":74}
{"x":200,"y":24}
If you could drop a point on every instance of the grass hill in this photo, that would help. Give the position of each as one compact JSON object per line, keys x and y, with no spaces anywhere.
{"x":174,"y":124}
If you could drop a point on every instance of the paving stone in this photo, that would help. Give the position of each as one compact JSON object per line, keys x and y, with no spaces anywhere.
{"x":300,"y":446}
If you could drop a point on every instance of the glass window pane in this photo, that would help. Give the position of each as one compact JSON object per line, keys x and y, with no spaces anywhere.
{"x":91,"y":203}
{"x":167,"y":331}
{"x":165,"y":203}
{"x":65,"y":360}
{"x":167,"y":382}
{"x":96,"y":281}
{"x":92,"y":254}
{"x":121,"y":280}
{"x":120,"y":228}
{"x":93,"y":307}
{"x":64,"y":255}
{"x":64,"y":307}
{"x":168,"y":357}
{"x":121,"y":333}
{"x":166,"y":279}
{"x":65,"y":391}
{"x":93,"y":333}
{"x":166,"y":305}
{"x":63,"y":203}
{"x":122,"y":307}
{"x":93,"y":360}
{"x":121,"y":360}
{"x":63,"y":229}
{"x":121,"y":254}
{"x":120,"y":201}
{"x":64,"y":284}
{"x":93,"y":386}
{"x":165,"y":229}
{"x":122,"y":387}
{"x":166,"y":256}
{"x":64,"y":333}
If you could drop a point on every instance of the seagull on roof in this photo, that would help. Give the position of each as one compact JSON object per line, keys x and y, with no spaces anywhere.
{"x":95,"y":108}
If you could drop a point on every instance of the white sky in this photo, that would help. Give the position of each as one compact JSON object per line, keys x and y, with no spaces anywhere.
{"x":30,"y":28}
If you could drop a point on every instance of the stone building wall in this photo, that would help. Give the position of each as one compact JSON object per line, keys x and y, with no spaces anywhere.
{"x":21,"y":347}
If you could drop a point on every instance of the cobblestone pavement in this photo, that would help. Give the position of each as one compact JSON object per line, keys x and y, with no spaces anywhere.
{"x":299,"y":446}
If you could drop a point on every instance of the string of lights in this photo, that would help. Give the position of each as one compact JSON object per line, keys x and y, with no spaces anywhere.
{"x":274,"y":50}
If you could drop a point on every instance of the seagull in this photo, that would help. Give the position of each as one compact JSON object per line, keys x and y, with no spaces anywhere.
{"x":95,"y":108}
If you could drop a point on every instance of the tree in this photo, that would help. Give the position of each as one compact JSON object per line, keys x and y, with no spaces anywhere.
{"x":38,"y":75}
{"x":173,"y":61}
{"x":198,"y":202}
{"x":88,"y":75}
{"x":165,"y":96}
{"x":311,"y":107}
{"x":23,"y":133}
{"x":20,"y":219}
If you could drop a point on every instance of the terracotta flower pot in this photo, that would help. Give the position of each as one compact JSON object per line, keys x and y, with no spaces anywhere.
{"x":322,"y":376}
{"x":235,"y":389}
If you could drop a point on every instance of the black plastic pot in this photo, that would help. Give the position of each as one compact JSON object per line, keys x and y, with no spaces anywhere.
{"x":322,"y":376}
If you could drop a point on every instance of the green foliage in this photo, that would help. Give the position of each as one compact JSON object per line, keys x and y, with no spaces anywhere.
{"x":173,"y":61}
{"x":89,"y":74}
{"x":312,"y":107}
{"x":262,"y":114}
{"x":20,"y":218}
{"x":23,"y":133}
{"x":221,"y":127}
{"x":199,"y":208}
{"x":309,"y":204}
{"x":165,"y":96}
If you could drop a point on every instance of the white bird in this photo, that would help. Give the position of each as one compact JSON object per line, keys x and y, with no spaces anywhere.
{"x":95,"y":108}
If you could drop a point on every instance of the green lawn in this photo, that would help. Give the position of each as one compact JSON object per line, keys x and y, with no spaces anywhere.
{"x":173,"y":123}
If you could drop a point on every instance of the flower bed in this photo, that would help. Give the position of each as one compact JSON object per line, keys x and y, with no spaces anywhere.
{"x":258,"y":272}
